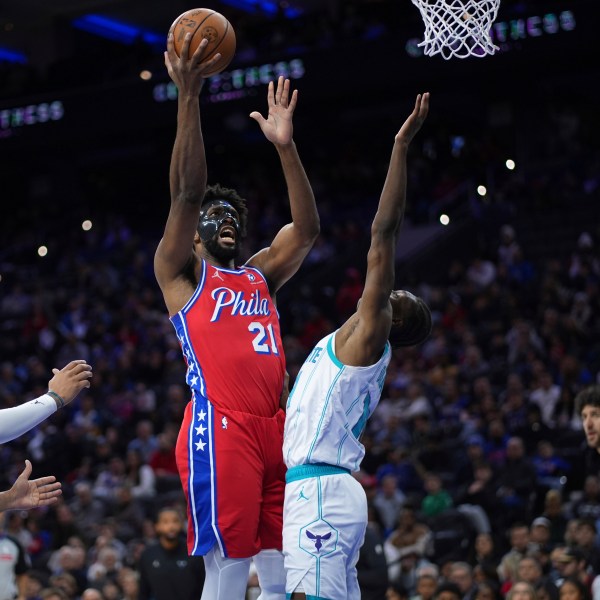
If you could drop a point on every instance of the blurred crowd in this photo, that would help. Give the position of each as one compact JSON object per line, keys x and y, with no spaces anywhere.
{"x":473,"y":471}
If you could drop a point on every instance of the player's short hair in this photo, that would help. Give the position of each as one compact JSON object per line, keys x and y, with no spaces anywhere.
{"x":218,"y":192}
{"x":588,"y":397}
{"x":415,"y":327}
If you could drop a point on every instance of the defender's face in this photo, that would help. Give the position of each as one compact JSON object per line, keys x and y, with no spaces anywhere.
{"x":401,"y":300}
{"x":590,"y":416}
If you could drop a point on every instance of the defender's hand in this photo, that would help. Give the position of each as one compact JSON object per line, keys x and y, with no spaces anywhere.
{"x":415,"y":120}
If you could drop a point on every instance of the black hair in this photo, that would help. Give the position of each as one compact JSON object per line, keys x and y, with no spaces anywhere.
{"x":167,"y":509}
{"x":415,"y":327}
{"x":218,"y":192}
{"x":448,"y":586}
{"x":588,"y":397}
{"x":584,"y":592}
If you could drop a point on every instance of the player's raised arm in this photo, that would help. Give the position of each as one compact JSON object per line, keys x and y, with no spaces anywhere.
{"x":360,"y":341}
{"x":187,"y":174}
{"x":293,"y":242}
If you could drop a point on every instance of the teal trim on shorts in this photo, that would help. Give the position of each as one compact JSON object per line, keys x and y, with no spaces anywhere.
{"x":308,"y":597}
{"x":313,"y":470}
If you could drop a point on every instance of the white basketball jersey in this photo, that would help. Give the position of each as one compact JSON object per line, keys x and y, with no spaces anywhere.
{"x":328,"y":408}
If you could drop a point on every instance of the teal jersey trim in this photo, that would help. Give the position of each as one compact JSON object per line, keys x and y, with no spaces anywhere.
{"x":332,"y":356}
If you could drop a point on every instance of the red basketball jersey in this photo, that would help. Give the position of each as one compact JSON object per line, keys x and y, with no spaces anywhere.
{"x":230,"y":337}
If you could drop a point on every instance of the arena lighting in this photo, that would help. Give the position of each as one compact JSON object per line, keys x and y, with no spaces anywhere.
{"x":265,"y":6}
{"x":12,"y":56}
{"x":117,"y":31}
{"x":510,"y":164}
{"x":444,"y":219}
{"x":42,"y":251}
{"x":86,"y":225}
{"x":146,"y":75}
{"x":481,"y":190}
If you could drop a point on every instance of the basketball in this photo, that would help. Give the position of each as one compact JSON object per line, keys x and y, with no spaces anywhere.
{"x":209,"y":24}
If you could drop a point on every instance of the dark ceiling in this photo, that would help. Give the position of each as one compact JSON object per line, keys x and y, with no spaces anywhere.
{"x":38,"y":28}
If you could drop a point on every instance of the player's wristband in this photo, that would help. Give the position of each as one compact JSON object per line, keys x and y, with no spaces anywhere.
{"x":58,"y":398}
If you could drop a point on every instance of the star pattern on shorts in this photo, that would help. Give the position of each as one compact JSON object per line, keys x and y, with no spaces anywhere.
{"x":201,"y":430}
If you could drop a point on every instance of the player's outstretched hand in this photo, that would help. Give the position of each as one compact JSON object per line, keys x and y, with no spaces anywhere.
{"x":188,"y":73}
{"x":25,"y":494}
{"x":415,"y":120}
{"x":278,"y":127}
{"x":70,"y":380}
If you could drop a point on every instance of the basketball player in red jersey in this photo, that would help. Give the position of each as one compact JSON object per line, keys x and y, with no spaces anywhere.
{"x":229,"y":450}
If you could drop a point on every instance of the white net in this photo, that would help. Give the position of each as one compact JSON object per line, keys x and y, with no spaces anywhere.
{"x":458,"y":28}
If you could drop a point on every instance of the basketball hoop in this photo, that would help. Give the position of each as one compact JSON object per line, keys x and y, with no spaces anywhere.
{"x":458,"y":28}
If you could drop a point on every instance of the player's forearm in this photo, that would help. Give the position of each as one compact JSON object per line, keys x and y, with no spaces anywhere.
{"x":19,"y":419}
{"x":302,"y":200}
{"x":393,"y":196}
{"x":188,"y":160}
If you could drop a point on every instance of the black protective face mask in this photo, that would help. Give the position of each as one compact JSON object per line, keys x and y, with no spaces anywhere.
{"x":208,"y":226}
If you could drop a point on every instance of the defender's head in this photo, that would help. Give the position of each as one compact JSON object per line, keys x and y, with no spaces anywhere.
{"x":411,"y":319}
{"x":222,"y":222}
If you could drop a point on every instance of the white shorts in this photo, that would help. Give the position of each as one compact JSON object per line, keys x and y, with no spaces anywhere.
{"x":324,"y":522}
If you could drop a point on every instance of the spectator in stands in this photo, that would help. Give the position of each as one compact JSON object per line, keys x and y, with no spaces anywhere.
{"x":388,"y":502}
{"x":521,"y":591}
{"x":519,"y":546}
{"x":551,"y":470}
{"x":427,"y":582}
{"x":372,"y":566}
{"x":546,"y":395}
{"x":485,"y":553}
{"x":164,"y":465}
{"x":139,"y":476}
{"x":573,"y":589}
{"x":109,"y":480}
{"x":145,"y":441}
{"x":461,"y":574}
{"x":588,"y":506}
{"x":166,"y":570}
{"x":571,"y":563}
{"x":437,"y":499}
{"x":539,"y":535}
{"x":87,"y":511}
{"x":588,"y":407}
{"x":447,"y":591}
{"x":516,"y":482}
{"x":586,"y":541}
{"x":530,"y":571}
{"x":554,"y":512}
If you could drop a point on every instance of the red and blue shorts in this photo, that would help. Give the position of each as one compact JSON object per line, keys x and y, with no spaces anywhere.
{"x":232,"y":471}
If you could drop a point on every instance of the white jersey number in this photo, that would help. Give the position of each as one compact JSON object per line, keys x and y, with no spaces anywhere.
{"x":260,"y":341}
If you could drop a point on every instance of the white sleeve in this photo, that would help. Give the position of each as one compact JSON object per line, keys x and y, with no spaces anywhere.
{"x":19,"y":419}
